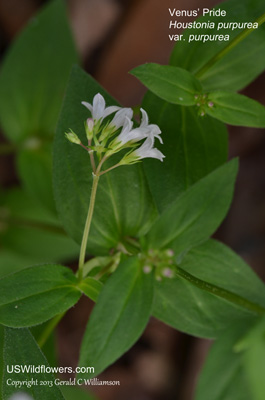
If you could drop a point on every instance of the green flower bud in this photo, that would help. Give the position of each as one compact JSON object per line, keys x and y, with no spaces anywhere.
{"x":72,"y":137}
{"x":89,"y":126}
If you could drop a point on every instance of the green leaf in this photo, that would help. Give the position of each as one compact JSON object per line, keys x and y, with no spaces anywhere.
{"x":193,"y":147}
{"x":240,"y":65}
{"x":21,"y":349}
{"x":123,"y":202}
{"x":30,"y":234}
{"x":91,"y":288}
{"x":197,"y":213}
{"x":223,"y":377}
{"x":253,"y":346}
{"x":36,"y":294}
{"x":189,"y":309}
{"x":34,"y":74}
{"x":35,"y":171}
{"x":236,"y":109}
{"x":175,"y":85}
{"x":119,"y":317}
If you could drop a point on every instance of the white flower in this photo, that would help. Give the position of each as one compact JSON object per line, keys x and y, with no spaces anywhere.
{"x":99,"y":110}
{"x":120,"y":117}
{"x":148,"y":151}
{"x":154,"y":130}
{"x":130,"y":135}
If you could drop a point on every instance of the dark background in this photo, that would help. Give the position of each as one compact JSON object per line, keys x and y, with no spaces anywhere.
{"x":112,"y":37}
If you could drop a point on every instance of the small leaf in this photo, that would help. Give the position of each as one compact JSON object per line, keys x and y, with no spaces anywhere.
{"x":197,"y":213}
{"x":175,"y":85}
{"x":20,"y":349}
{"x":119,"y":317}
{"x":187,"y":308}
{"x":36,"y":294}
{"x":235,"y":109}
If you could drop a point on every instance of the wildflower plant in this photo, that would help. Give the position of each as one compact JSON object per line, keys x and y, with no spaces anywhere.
{"x":135,"y":203}
{"x":104,"y":139}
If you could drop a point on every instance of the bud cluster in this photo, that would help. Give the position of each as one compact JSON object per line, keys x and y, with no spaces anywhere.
{"x":106,"y":138}
{"x":203,"y":102}
{"x":159,"y":261}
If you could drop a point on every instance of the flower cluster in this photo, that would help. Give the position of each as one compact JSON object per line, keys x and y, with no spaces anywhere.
{"x":107,"y":138}
{"x":161,"y":261}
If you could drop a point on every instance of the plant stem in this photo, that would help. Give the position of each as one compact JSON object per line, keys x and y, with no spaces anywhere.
{"x":109,"y":169}
{"x":241,"y":36}
{"x":87,"y":226}
{"x":92,"y":160}
{"x":220,"y":292}
{"x":49,"y":328}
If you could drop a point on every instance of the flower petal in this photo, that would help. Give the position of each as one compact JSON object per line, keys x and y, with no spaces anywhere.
{"x":147,"y":150}
{"x":88,"y":105}
{"x":98,"y":107}
{"x":110,"y":110}
{"x":144,"y":121}
{"x":120,"y":117}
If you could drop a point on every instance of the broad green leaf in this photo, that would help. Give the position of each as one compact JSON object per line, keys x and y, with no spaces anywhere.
{"x":197,"y":213}
{"x":119,"y":317}
{"x":91,"y":288}
{"x":123,"y":203}
{"x":35,"y":171}
{"x":236,"y":109}
{"x":75,"y":393}
{"x":223,"y":377}
{"x":30,"y":234}
{"x":175,"y":85}
{"x":193,"y":146}
{"x":21,"y":349}
{"x":239,"y":66}
{"x":34,"y":74}
{"x":189,"y":309}
{"x":36,"y":294}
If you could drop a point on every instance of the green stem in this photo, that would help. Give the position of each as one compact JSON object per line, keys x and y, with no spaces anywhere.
{"x":87,"y":226}
{"x":49,"y":328}
{"x":109,"y":169}
{"x":220,"y":292}
{"x":241,"y":36}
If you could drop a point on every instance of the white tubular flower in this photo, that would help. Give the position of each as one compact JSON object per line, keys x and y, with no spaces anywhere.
{"x":120,"y":117}
{"x":99,"y":110}
{"x":130,"y":135}
{"x":148,"y":151}
{"x":154,"y":130}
